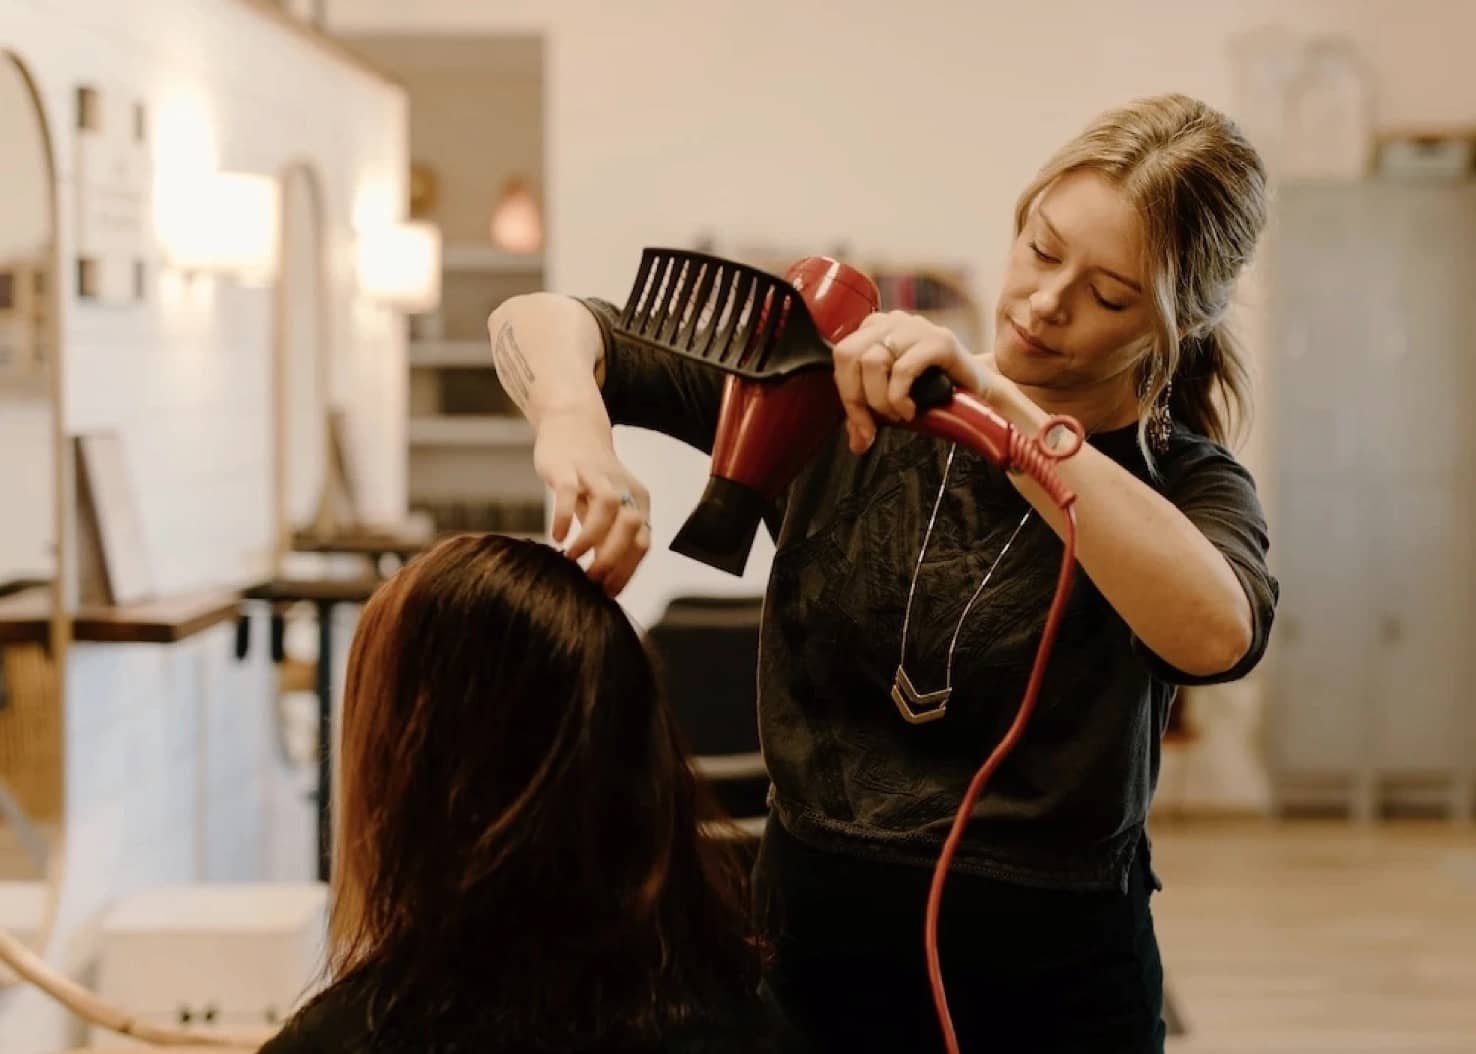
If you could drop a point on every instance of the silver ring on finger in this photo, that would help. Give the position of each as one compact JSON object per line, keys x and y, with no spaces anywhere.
{"x":627,"y":499}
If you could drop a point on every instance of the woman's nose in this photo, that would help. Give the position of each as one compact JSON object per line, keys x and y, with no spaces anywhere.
{"x":1045,"y":303}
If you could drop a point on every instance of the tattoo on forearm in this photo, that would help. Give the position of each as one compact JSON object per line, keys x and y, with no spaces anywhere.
{"x":513,"y":369}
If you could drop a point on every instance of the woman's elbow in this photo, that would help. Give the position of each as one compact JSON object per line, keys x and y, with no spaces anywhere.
{"x":1237,"y":646}
{"x":1223,"y":649}
{"x":522,"y":305}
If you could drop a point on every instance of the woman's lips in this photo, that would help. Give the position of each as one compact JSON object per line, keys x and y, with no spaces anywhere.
{"x":1031,"y":343}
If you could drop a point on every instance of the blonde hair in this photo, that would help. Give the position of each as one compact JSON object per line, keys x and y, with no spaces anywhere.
{"x":1200,"y":189}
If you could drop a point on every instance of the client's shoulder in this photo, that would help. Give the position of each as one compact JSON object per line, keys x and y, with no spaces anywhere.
{"x":336,"y":1019}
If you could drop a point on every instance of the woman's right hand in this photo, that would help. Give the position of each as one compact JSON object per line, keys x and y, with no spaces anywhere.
{"x":575,"y":456}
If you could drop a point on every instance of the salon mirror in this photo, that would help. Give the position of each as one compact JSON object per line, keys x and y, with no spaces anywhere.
{"x":303,"y":377}
{"x":303,"y":477}
{"x":33,"y":636}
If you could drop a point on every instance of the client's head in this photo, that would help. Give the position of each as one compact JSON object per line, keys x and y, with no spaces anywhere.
{"x":515,"y":812}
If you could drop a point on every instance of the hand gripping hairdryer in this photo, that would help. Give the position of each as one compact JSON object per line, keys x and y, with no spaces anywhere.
{"x":772,"y":337}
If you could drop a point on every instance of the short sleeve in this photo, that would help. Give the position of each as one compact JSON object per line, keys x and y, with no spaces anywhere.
{"x":648,"y":388}
{"x":1218,"y":495}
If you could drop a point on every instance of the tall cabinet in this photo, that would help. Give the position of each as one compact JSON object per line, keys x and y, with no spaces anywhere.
{"x":1373,"y":374}
{"x":471,"y":449}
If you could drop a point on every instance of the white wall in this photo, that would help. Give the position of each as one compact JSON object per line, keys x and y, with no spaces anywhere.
{"x":902,"y":131}
{"x":171,"y":769}
{"x":191,"y":395}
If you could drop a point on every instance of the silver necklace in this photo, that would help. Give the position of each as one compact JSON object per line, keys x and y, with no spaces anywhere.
{"x":921,"y":707}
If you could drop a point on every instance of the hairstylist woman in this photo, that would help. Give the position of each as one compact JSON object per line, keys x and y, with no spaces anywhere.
{"x":904,"y":562}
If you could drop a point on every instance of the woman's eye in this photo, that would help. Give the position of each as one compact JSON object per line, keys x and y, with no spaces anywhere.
{"x":1041,"y":255}
{"x":1109,"y":305}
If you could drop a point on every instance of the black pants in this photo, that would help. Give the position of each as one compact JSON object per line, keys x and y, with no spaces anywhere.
{"x":1027,"y":971}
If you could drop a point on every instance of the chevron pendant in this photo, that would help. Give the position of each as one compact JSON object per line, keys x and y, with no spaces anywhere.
{"x":916,"y":707}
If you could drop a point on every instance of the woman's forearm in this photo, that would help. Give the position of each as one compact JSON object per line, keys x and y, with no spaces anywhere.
{"x":549,"y":352}
{"x":1174,"y":589}
{"x":549,"y":355}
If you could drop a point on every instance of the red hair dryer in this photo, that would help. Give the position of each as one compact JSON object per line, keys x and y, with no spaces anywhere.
{"x":767,"y":432}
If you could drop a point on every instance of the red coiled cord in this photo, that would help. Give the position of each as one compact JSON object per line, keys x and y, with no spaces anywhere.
{"x":1030,"y":456}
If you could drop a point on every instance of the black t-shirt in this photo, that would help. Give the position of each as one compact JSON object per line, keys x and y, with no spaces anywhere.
{"x":1068,"y":807}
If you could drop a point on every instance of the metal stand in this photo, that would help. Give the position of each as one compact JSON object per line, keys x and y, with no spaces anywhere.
{"x":324,"y":594}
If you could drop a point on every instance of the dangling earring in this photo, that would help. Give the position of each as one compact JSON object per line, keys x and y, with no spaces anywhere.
{"x":1161,"y":422}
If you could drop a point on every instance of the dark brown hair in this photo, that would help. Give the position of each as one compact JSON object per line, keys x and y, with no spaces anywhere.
{"x":518,"y":831}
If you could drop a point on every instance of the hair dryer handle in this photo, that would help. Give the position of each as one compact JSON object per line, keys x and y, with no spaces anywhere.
{"x":963,"y":418}
{"x":932,"y":390}
{"x":944,"y":411}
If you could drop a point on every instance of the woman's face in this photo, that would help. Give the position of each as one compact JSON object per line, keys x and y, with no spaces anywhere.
{"x":1074,"y":313}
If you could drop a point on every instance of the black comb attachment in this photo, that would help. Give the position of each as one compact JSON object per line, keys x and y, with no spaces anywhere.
{"x":723,"y":313}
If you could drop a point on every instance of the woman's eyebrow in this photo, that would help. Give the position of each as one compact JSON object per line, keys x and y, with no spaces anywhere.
{"x":1134,"y":286}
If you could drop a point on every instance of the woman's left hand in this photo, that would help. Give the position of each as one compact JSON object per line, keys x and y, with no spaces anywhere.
{"x":876,"y":365}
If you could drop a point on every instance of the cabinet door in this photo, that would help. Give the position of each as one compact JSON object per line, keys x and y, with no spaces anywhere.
{"x":1322,"y":268}
{"x":1420,"y":604}
{"x":1421,"y":335}
{"x":1417,"y":457}
{"x":1318,"y":706}
{"x":1319,"y":711}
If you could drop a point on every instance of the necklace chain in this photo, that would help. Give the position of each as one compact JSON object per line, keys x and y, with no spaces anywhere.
{"x":907,"y":698}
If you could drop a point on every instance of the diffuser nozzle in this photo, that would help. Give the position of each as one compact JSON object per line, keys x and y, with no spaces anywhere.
{"x":720,"y":531}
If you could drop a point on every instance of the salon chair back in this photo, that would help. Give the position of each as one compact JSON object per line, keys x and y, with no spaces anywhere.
{"x":707,"y":648}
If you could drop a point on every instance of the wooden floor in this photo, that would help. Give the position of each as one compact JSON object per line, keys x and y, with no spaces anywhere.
{"x":1319,"y":938}
{"x":15,"y":863}
{"x":1315,"y":938}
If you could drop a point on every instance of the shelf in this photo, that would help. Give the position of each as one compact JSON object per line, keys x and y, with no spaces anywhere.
{"x":472,"y":257}
{"x":160,"y":621}
{"x":466,"y":353}
{"x":364,"y":541}
{"x":25,"y":616}
{"x":470,"y":430}
{"x":318,"y":590}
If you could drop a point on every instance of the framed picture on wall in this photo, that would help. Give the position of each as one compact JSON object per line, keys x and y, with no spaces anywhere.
{"x":109,"y":514}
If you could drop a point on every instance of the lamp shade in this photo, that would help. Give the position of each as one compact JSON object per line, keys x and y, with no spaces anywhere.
{"x":517,"y":219}
{"x":223,"y":223}
{"x":399,"y":264}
